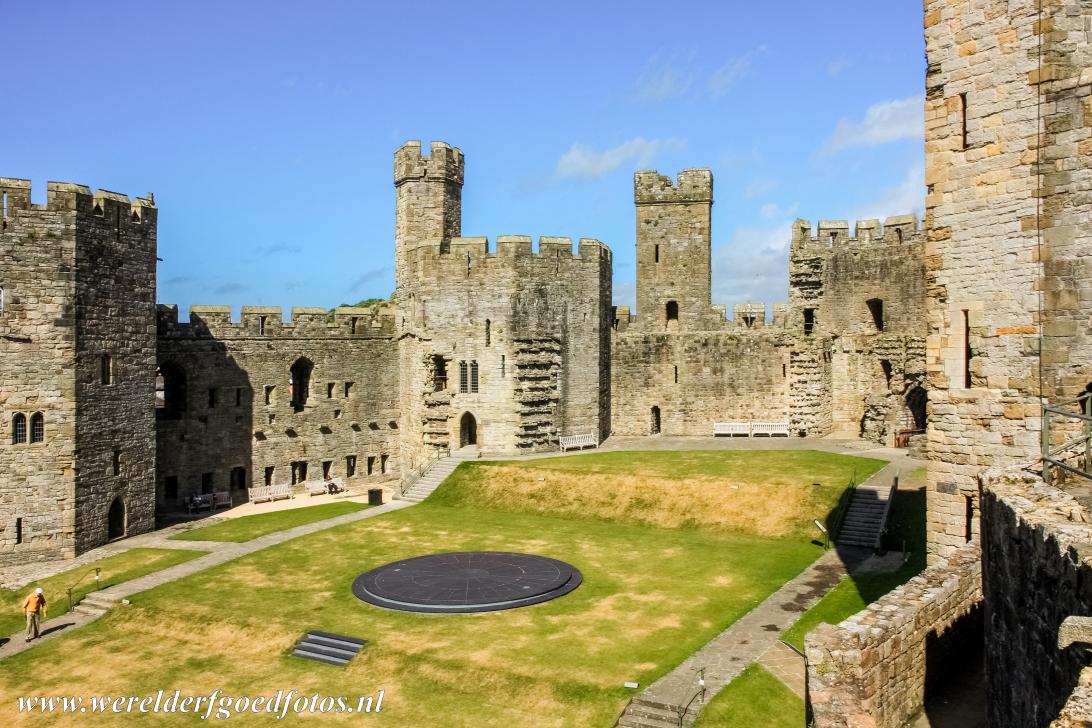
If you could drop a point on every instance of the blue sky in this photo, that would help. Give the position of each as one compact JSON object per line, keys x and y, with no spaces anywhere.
{"x":266,"y":130}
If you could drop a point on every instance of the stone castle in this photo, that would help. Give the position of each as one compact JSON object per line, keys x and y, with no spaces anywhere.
{"x":504,"y":347}
{"x":950,"y":338}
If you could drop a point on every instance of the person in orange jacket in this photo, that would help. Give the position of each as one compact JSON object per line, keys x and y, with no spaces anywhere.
{"x":34,"y":606}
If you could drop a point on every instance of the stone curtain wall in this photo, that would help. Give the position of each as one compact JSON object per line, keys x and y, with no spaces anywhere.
{"x":115,"y":318}
{"x":226,"y":422}
{"x":871,"y":670}
{"x":1037,"y":570}
{"x":737,"y":375}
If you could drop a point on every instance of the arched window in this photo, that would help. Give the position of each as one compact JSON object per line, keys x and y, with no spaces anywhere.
{"x":301,"y":382}
{"x":18,"y":429}
{"x":170,"y":391}
{"x":37,"y":427}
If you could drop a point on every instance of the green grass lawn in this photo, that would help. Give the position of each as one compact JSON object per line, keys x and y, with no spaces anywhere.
{"x":246,"y":528}
{"x":650,"y":597}
{"x":114,"y":570}
{"x":755,"y":699}
{"x":854,"y":593}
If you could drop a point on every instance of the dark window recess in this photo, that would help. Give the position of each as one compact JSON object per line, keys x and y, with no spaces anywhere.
{"x":299,"y":472}
{"x":117,"y":462}
{"x":968,"y":517}
{"x":672,"y":310}
{"x":473,"y":377}
{"x":238,"y":396}
{"x":212,"y":399}
{"x":503,"y":365}
{"x":170,"y":488}
{"x":885,"y":365}
{"x":18,"y":428}
{"x":350,"y":466}
{"x":352,"y":324}
{"x":261,"y":325}
{"x":348,"y":389}
{"x":206,"y":483}
{"x":170,"y":391}
{"x":326,"y":465}
{"x":875,"y":307}
{"x":657,"y":252}
{"x":18,"y":530}
{"x":488,"y":333}
{"x":383,"y":463}
{"x":963,"y":120}
{"x":106,"y":367}
{"x":654,"y":423}
{"x":238,"y":478}
{"x":269,"y":470}
{"x":463,"y":384}
{"x":809,"y":321}
{"x":330,"y":390}
{"x":269,"y":393}
{"x":676,"y":374}
{"x":301,"y":383}
{"x":371,"y":464}
{"x":967,"y":354}
{"x":439,"y":373}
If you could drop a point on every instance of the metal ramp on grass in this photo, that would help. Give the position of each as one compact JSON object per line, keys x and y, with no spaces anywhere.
{"x":333,"y":649}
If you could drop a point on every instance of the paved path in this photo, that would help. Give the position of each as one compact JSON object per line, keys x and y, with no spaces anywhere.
{"x":787,"y":665}
{"x":219,"y":553}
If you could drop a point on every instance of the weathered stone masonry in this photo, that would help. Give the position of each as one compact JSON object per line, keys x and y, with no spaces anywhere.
{"x":78,"y":351}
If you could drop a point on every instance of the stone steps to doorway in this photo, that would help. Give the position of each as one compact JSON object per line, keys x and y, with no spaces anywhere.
{"x":437,"y":473}
{"x":865,"y":517}
{"x":644,"y":713}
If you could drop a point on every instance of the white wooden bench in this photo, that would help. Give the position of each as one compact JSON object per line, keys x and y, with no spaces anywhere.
{"x":569,"y":442}
{"x":732,"y":429}
{"x":769,"y":429}
{"x":221,"y":499}
{"x":269,"y":492}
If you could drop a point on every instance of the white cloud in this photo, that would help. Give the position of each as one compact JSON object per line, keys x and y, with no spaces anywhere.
{"x":839,"y":64}
{"x":582,"y":161}
{"x":665,"y":77}
{"x":724,"y":77}
{"x":883,"y":123}
{"x":904,"y":198}
{"x":758,"y":187}
{"x":753,"y":266}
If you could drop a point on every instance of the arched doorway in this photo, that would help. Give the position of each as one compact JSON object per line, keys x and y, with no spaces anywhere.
{"x":468,"y":430}
{"x":654,"y":423}
{"x":916,"y":401}
{"x":301,"y":382}
{"x":116,"y":519}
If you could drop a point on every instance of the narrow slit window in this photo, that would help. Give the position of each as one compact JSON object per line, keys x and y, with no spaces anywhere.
{"x":503,"y":365}
{"x":269,"y":388}
{"x":212,"y":398}
{"x":261,"y":325}
{"x":676,"y":374}
{"x":657,"y":252}
{"x":238,"y":396}
{"x":963,"y":120}
{"x":1,"y":301}
{"x":329,"y":390}
{"x":371,"y":464}
{"x":885,"y":365}
{"x":383,"y":463}
{"x":352,"y":325}
{"x":966,"y":349}
{"x":350,"y":466}
{"x":106,"y":369}
{"x":968,"y":517}
{"x":18,"y":530}
{"x":487,"y":332}
{"x":116,"y":465}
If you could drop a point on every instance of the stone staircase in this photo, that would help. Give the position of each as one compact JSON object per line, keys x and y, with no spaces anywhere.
{"x":327,"y":647}
{"x":94,"y":605}
{"x":866,"y":516}
{"x":437,"y":473}
{"x":644,"y":713}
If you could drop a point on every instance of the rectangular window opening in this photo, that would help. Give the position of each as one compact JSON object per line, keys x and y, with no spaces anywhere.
{"x":269,"y":470}
{"x":371,"y":464}
{"x":326,"y":466}
{"x":473,"y":377}
{"x":968,"y":517}
{"x":383,"y":463}
{"x":350,"y":466}
{"x":170,"y":488}
{"x":963,"y":120}
{"x":212,"y":399}
{"x":18,"y":530}
{"x":439,"y":373}
{"x":966,"y":349}
{"x":329,"y":390}
{"x":676,"y":374}
{"x":875,"y":307}
{"x":117,"y":462}
{"x":657,"y":252}
{"x":238,"y":396}
{"x":206,"y":483}
{"x":809,"y":321}
{"x":269,"y":393}
{"x":503,"y":365}
{"x":348,"y":389}
{"x":261,"y":325}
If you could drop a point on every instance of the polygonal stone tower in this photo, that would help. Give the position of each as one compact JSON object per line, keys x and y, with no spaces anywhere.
{"x":428,"y":202}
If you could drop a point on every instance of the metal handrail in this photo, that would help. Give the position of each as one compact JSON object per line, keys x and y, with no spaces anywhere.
{"x":420,"y":469}
{"x":682,"y":710}
{"x":1053,"y":412}
{"x":76,"y":583}
{"x":886,"y":512}
{"x":842,"y":508}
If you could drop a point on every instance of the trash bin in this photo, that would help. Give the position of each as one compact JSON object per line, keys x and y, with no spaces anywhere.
{"x":375,"y":496}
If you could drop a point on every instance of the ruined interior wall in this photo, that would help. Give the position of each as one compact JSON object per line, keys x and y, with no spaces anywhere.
{"x":725,"y":376}
{"x":115,"y":316}
{"x":227,"y":423}
{"x":982,"y":257}
{"x":1037,"y":570}
{"x":871,"y":670}
{"x":37,"y":325}
{"x":838,"y":380}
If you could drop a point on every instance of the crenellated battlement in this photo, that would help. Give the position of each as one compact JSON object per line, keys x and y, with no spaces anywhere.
{"x":897,"y":230}
{"x":68,"y":196}
{"x":511,"y":248}
{"x":444,"y":162}
{"x":267,"y":321}
{"x":693,"y":185}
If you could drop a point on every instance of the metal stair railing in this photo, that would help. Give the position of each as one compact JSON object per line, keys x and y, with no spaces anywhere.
{"x":1055,"y":419}
{"x":419,"y":471}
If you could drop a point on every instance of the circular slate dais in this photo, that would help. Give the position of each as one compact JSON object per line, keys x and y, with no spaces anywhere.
{"x":466,"y":581}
